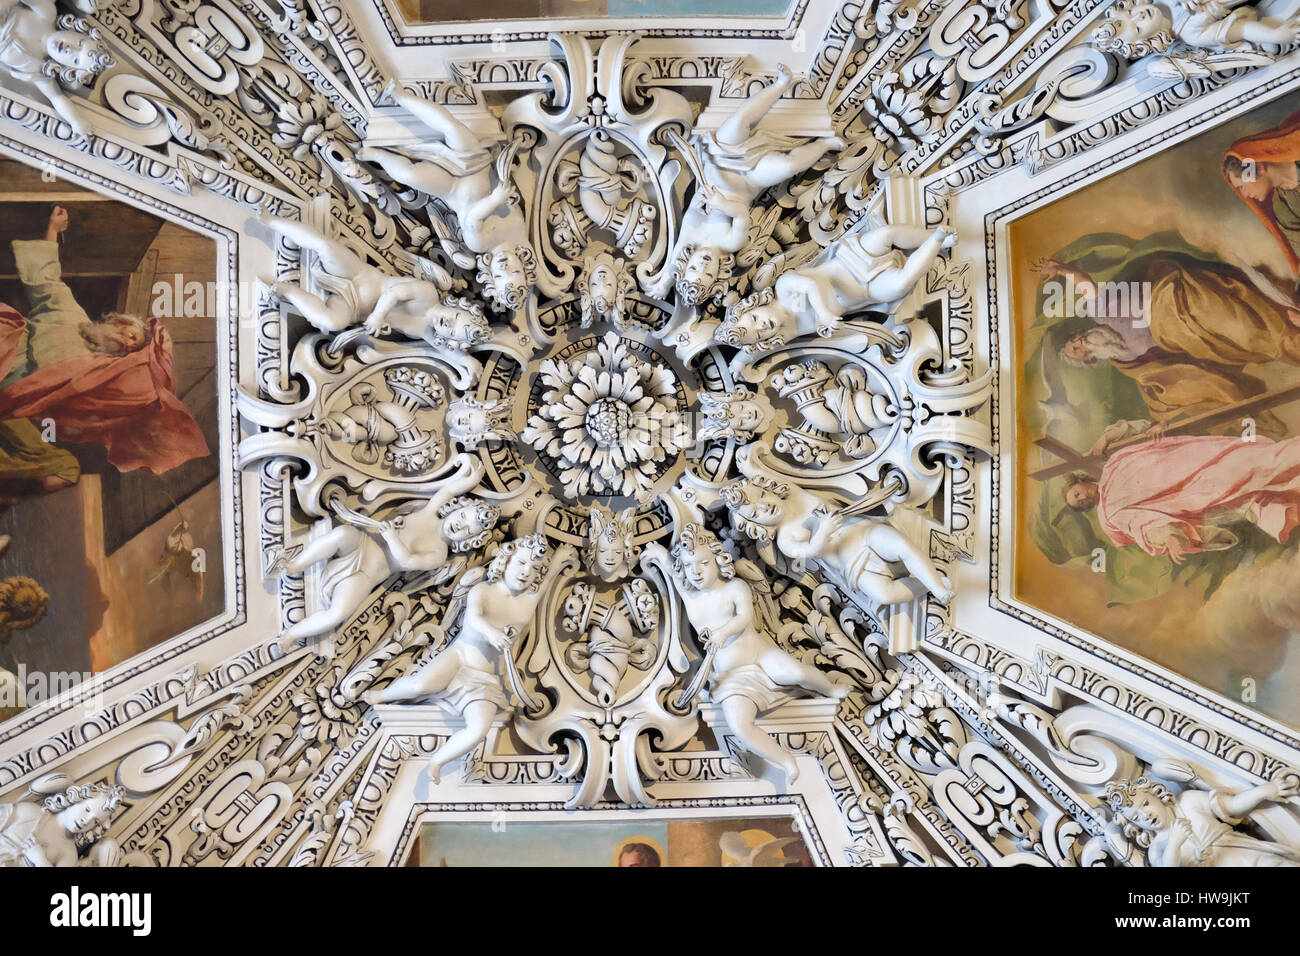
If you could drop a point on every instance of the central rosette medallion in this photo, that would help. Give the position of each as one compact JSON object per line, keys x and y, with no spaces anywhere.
{"x":610,"y":418}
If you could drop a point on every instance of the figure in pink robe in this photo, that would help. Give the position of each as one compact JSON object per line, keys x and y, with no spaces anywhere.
{"x":1178,"y":496}
{"x":108,"y":382}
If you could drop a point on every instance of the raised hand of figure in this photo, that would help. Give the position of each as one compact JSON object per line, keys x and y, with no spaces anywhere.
{"x":947,"y":238}
{"x":1044,"y":266}
{"x":828,"y":523}
{"x":1286,"y":788}
{"x":58,"y":223}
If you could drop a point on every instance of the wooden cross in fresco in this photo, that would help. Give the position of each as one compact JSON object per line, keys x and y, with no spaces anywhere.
{"x":1072,"y":460}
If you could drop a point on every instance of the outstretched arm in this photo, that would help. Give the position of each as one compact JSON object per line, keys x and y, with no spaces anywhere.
{"x":1243,"y":803}
{"x":64,"y":106}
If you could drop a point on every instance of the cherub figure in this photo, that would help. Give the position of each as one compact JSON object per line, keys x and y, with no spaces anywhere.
{"x":354,"y":287}
{"x":1196,"y":827}
{"x":1212,"y":29}
{"x":734,"y":166}
{"x":458,"y":171}
{"x":49,"y":51}
{"x":748,"y":674}
{"x":362,"y":552}
{"x":603,"y":288}
{"x":610,"y":553}
{"x":452,"y":323}
{"x":472,"y":676}
{"x":858,"y":272}
{"x":736,"y":413}
{"x":861,"y":552}
{"x":64,"y":826}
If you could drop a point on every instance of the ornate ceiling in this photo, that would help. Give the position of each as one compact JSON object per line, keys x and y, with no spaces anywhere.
{"x":869,"y":420}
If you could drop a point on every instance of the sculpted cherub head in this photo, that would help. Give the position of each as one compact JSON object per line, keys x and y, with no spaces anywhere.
{"x":507,"y":274}
{"x":1143,"y":808}
{"x":76,"y":53}
{"x":703,"y":273}
{"x":1134,"y":28}
{"x":757,"y":323}
{"x":603,"y":289}
{"x":757,"y":506}
{"x":85,"y":811}
{"x":609,"y":553}
{"x":521,"y":564}
{"x":457,"y":323}
{"x":737,"y":413}
{"x":472,"y":421}
{"x":467,"y":522}
{"x":699,"y":561}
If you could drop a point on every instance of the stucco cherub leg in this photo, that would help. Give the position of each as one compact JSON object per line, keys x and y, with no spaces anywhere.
{"x":346,"y":597}
{"x":897,"y":283}
{"x":425,"y":176}
{"x":439,"y":119}
{"x":788,"y":670}
{"x":742,"y":123}
{"x":478,"y":715}
{"x":432,"y":678}
{"x":335,"y":257}
{"x":333,"y":315}
{"x":741,"y":714}
{"x":892,"y":546}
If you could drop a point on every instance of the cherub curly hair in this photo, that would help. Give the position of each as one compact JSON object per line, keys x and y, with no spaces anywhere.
{"x":695,"y":537}
{"x":100,"y":59}
{"x":736,"y":494}
{"x":80,"y":793}
{"x":514,"y":297}
{"x":479,"y":327}
{"x":1106,"y":37}
{"x":729,"y":332}
{"x":1120,"y":795}
{"x":486,"y":513}
{"x":698,"y":293}
{"x":534,"y":545}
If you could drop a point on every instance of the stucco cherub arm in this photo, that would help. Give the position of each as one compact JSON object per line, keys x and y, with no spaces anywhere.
{"x":64,"y":106}
{"x":45,"y":8}
{"x":477,"y":621}
{"x":1244,"y":802}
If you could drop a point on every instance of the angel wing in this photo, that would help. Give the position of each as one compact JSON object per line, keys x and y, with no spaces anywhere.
{"x":765,"y":608}
{"x":449,"y":238}
{"x":758,"y":237}
{"x":793,"y":258}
